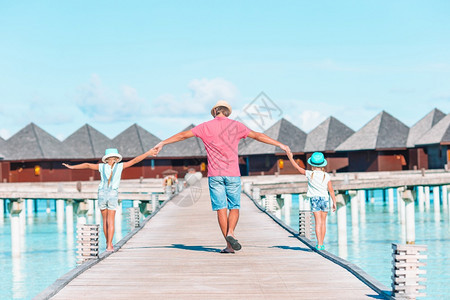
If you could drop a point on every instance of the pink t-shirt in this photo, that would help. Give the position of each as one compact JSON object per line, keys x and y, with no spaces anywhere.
{"x":221,"y":138}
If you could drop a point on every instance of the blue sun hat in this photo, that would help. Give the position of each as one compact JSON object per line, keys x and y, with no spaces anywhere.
{"x":111,"y":152}
{"x":317,"y":160}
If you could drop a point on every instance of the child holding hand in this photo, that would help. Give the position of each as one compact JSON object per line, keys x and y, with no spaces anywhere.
{"x":108,"y":194}
{"x":319,"y":191}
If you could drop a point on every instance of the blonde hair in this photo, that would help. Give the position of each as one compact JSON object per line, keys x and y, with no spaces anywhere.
{"x":315,"y":169}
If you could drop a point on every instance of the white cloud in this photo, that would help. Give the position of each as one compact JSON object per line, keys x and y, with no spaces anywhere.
{"x":5,"y":133}
{"x":203,"y":94}
{"x":103,"y":105}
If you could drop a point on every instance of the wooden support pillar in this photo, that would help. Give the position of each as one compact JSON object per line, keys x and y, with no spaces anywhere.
{"x":341,"y":202}
{"x":155,"y":202}
{"x":256,"y":194}
{"x":420,"y":198}
{"x":436,"y":200}
{"x":407,"y":196}
{"x":247,"y":186}
{"x":444,"y":197}
{"x":362,"y":205}
{"x":400,"y":207}
{"x":287,"y":206}
{"x":69,"y":217}
{"x":372,"y":196}
{"x":30,"y":207}
{"x":81,"y":209}
{"x":15,"y":208}
{"x":23,"y":218}
{"x":390,"y":192}
{"x":2,"y":211}
{"x":48,"y":209}
{"x":60,"y":214}
{"x":427,"y":198}
{"x":354,"y":207}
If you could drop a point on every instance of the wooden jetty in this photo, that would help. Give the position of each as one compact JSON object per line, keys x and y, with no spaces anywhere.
{"x":176,"y":255}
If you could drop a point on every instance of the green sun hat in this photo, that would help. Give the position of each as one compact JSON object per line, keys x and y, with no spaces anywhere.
{"x":317,"y":160}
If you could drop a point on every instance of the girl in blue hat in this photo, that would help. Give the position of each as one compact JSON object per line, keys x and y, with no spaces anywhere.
{"x":319,"y":189}
{"x":108,"y":194}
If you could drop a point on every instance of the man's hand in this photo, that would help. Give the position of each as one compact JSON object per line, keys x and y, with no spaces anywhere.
{"x":285,"y":148}
{"x":157,"y":148}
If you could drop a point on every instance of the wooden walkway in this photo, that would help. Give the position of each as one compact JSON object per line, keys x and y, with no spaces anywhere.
{"x":176,"y":256}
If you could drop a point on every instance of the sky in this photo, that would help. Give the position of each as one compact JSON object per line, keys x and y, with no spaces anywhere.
{"x":164,"y":64}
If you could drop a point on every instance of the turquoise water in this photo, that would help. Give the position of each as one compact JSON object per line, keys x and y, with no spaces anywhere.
{"x":48,"y":252}
{"x":369,"y":243}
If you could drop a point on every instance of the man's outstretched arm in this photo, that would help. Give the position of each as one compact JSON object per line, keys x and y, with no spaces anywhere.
{"x":261,"y":137}
{"x":173,"y":139}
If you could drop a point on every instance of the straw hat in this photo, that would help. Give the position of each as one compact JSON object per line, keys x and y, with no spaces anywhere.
{"x":317,"y":160}
{"x":220,"y":103}
{"x":111,"y":152}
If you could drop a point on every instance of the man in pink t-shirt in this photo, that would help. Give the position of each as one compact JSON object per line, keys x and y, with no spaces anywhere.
{"x":221,"y":137}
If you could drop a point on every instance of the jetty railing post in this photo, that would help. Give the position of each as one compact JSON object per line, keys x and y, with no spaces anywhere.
{"x":270,"y":203}
{"x":15,"y":208}
{"x":247,"y":187}
{"x":354,"y":207}
{"x":420,"y":198}
{"x":87,"y":242}
{"x":341,"y":203}
{"x":408,"y":197}
{"x":256,"y":194}
{"x":305,"y":224}
{"x":134,"y":217}
{"x":155,"y":202}
{"x":427,"y":198}
{"x":69,"y":216}
{"x":406,"y":268}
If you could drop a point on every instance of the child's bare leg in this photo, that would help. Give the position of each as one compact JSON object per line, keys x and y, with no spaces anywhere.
{"x":110,"y":221}
{"x":318,"y":221}
{"x":105,"y":224}
{"x":324,"y":224}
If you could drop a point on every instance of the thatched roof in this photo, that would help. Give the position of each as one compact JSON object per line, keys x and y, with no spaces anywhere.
{"x":423,"y":125}
{"x":134,"y":141}
{"x":187,"y":148}
{"x":32,"y":142}
{"x":88,"y":143}
{"x":283,"y":131}
{"x":439,"y":134}
{"x":382,"y":132}
{"x":2,"y":148}
{"x":327,"y":135}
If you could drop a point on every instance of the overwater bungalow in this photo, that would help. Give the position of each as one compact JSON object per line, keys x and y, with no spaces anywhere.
{"x":326,"y":137}
{"x":259,"y":158}
{"x":33,"y":155}
{"x":436,"y":143}
{"x":380,"y":145}
{"x":418,"y":157}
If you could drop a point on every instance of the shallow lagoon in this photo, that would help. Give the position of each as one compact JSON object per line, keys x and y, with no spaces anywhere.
{"x":47,"y":252}
{"x":369,"y":244}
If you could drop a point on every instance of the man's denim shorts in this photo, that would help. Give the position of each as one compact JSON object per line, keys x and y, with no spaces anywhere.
{"x":225,"y":192}
{"x":320,"y":204}
{"x":108,"y":199}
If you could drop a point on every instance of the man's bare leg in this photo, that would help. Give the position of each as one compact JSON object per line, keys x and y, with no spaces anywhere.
{"x":223,"y":223}
{"x":233,"y":218}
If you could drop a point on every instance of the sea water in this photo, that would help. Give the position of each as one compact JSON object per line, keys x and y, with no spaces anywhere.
{"x":47,"y":252}
{"x":369,"y":244}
